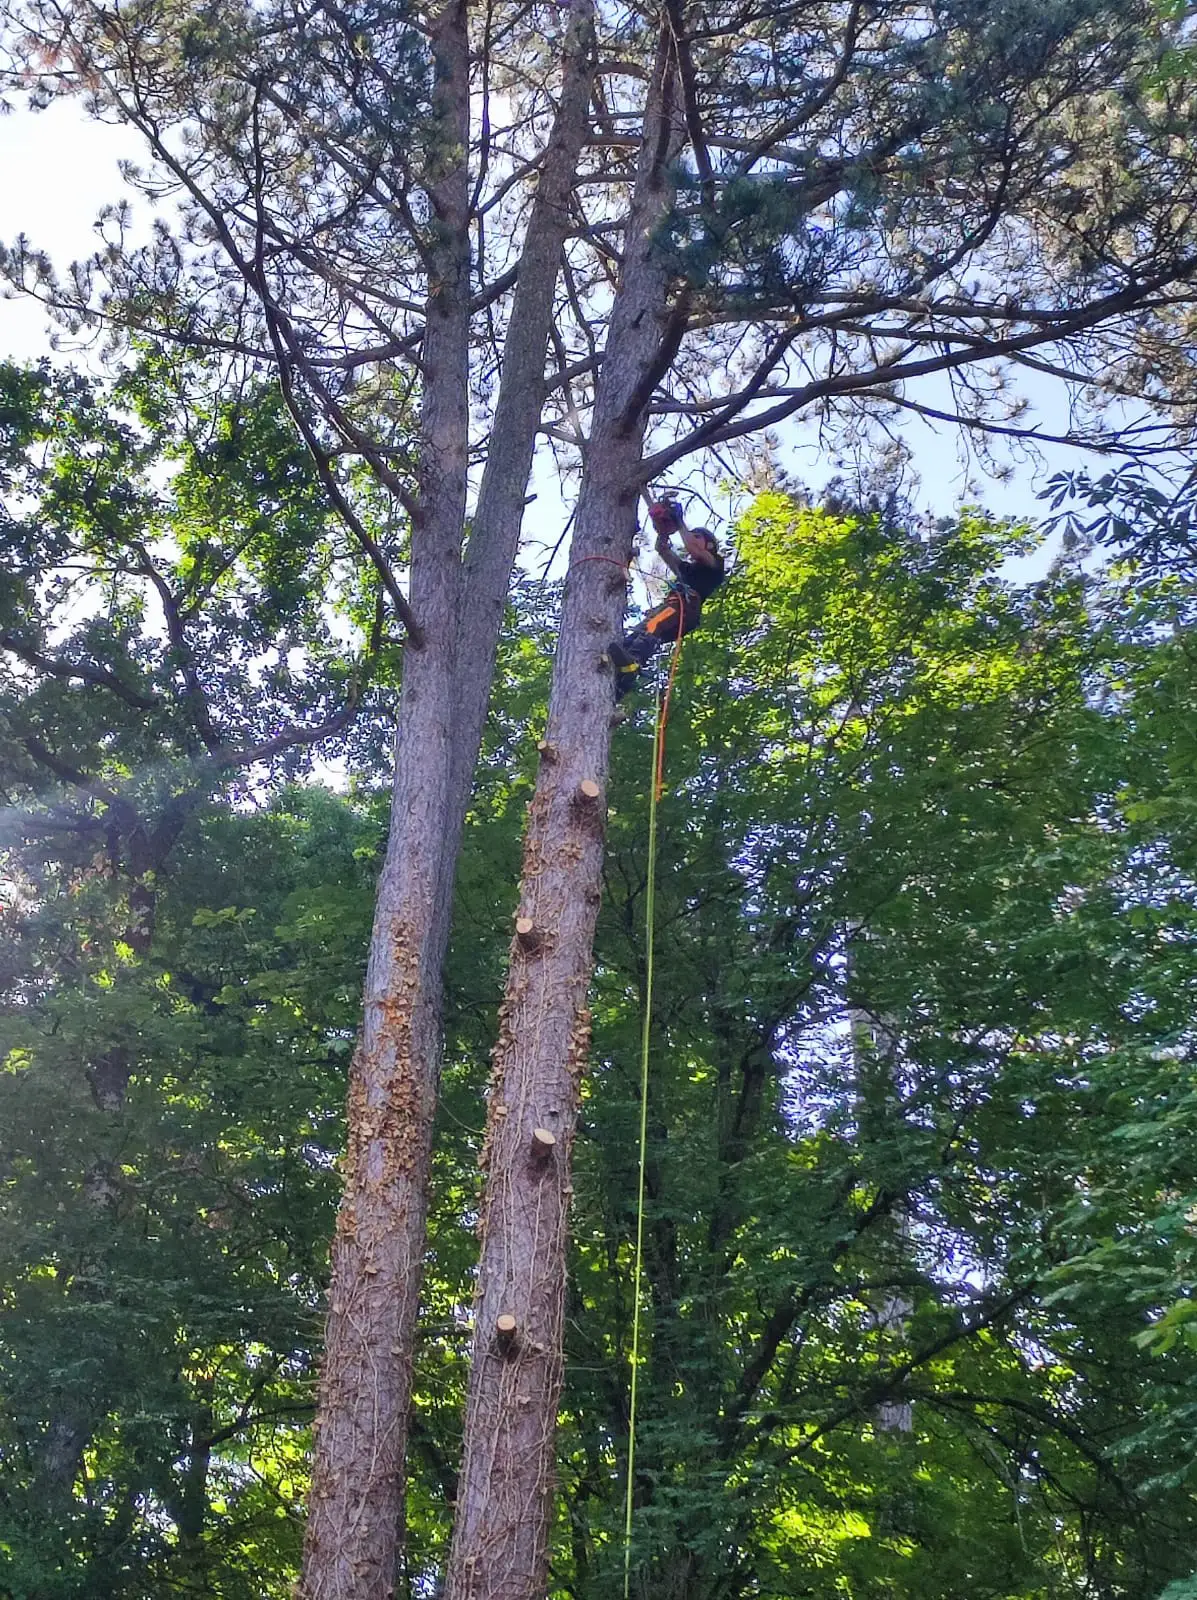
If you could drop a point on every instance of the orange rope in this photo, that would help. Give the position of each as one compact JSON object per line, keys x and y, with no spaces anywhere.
{"x":612,"y":561}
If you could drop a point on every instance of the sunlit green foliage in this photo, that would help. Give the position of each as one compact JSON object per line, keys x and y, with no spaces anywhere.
{"x":921,"y":1173}
{"x":898,"y":784}
{"x":180,"y":973}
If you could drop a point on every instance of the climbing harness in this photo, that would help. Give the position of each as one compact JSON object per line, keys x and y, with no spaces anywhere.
{"x":650,"y":896}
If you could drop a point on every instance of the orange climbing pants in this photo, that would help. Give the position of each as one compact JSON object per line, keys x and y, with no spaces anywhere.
{"x":676,"y":616}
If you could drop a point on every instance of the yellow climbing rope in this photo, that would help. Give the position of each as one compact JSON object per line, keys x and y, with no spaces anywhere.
{"x":650,"y":897}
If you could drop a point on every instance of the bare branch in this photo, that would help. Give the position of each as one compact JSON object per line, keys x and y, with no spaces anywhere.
{"x":184,"y":658}
{"x":767,"y":144}
{"x":299,"y":735}
{"x":275,"y":324}
{"x":1035,"y":435}
{"x":722,"y":427}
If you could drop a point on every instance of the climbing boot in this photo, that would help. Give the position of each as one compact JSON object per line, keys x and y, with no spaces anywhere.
{"x":627,"y":668}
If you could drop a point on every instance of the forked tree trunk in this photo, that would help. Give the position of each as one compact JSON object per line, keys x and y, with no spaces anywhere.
{"x":499,"y":513}
{"x":356,"y":1502}
{"x":500,"y":1542}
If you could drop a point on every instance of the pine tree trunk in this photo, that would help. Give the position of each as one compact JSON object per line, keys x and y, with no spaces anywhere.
{"x":500,"y":1542}
{"x":351,"y":1545}
{"x":499,"y":513}
{"x":356,"y":1503}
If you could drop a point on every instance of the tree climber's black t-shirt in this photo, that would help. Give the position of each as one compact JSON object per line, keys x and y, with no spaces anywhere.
{"x":698,"y":576}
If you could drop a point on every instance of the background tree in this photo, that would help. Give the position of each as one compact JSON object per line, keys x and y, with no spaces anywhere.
{"x":174,"y":587}
{"x":164,"y":1261}
{"x":918,"y":752}
{"x":182,"y":626}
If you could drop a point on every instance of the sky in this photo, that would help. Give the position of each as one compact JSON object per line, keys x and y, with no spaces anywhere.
{"x":58,"y":168}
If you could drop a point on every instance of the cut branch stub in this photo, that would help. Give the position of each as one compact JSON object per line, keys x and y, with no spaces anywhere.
{"x":505,"y":1327}
{"x":527,"y":933}
{"x":547,"y":751}
{"x":587,"y":806}
{"x":544,"y":1142}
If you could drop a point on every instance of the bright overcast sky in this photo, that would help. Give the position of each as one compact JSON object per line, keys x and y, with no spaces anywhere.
{"x":58,"y":168}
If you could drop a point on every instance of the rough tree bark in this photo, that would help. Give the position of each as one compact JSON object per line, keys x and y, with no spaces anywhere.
{"x":498,"y":515}
{"x":500,"y":1543}
{"x":351,"y":1542}
{"x":356,"y":1499}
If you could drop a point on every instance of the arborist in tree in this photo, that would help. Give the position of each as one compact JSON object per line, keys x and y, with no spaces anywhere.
{"x":694,"y":580}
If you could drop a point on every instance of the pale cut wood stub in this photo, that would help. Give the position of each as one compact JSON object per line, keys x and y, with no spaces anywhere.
{"x":544,"y":1142}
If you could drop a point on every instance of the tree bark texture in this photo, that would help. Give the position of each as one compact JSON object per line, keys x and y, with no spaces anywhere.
{"x":351,"y":1544}
{"x":498,"y":516}
{"x":354,"y":1516}
{"x":500,"y":1542}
